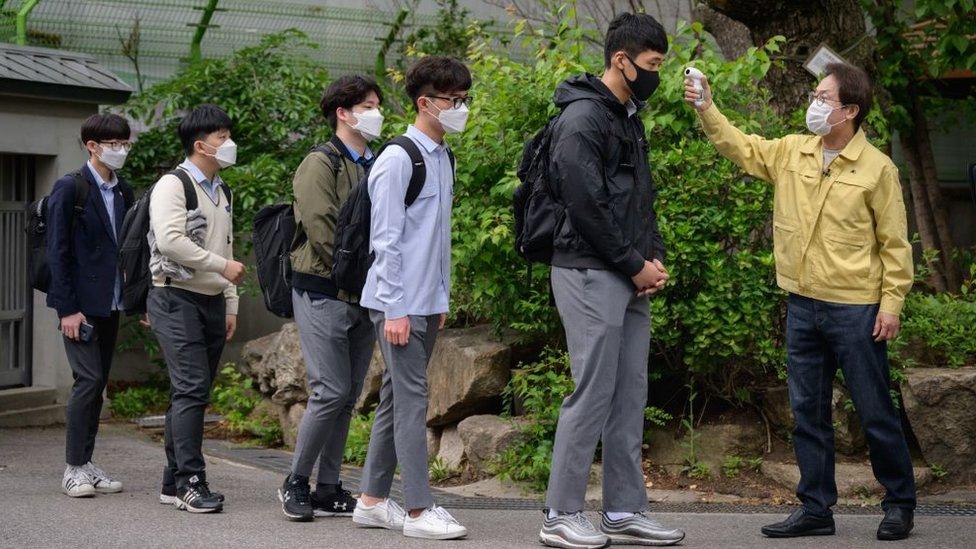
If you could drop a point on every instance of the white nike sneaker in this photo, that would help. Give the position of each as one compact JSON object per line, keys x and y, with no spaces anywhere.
{"x":385,"y":514}
{"x":76,"y":483}
{"x":103,"y":483}
{"x":434,"y":523}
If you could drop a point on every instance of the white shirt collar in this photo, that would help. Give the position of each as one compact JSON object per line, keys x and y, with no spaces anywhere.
{"x":98,"y":178}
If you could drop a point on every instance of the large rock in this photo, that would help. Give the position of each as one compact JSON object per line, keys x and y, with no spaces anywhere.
{"x":741,"y":435}
{"x":848,"y":434}
{"x":853,"y":479}
{"x":941,"y":408}
{"x":370,"y":395}
{"x":451,"y":448}
{"x":466,"y":375}
{"x":486,"y":436}
{"x":275,"y":362}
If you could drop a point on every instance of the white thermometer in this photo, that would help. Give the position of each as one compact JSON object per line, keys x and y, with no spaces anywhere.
{"x":696,"y":76}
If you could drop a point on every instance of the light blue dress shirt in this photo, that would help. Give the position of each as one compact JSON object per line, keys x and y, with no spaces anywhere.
{"x":107,"y":190}
{"x":411,"y":274}
{"x":367,"y":154}
{"x":210,"y":187}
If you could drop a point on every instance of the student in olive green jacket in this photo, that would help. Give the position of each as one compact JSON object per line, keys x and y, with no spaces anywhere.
{"x":336,"y":334}
{"x":842,"y":252}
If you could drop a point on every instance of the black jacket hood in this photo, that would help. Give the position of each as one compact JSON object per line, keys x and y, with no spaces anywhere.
{"x":589,"y":86}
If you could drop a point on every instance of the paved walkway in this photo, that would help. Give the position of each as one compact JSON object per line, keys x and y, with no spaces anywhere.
{"x":34,"y":513}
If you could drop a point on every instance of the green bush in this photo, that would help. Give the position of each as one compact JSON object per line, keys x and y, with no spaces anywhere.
{"x":234,"y":398}
{"x":357,"y":443}
{"x":138,"y":401}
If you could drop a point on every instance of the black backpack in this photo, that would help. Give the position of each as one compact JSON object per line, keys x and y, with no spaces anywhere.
{"x":274,"y":239}
{"x":537,"y":213}
{"x":134,"y":248}
{"x":38,"y":270}
{"x":352,"y":257}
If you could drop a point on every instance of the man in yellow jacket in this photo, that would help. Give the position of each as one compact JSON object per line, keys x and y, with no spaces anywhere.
{"x":842,"y":253}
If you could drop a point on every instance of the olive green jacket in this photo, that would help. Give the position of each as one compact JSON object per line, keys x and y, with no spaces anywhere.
{"x":322,"y":184}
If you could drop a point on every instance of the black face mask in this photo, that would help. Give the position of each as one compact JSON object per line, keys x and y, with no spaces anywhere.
{"x":644,"y":85}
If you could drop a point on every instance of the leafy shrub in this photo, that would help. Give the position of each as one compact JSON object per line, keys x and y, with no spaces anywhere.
{"x":138,"y":401}
{"x":234,"y":398}
{"x":440,"y":471}
{"x":357,"y":442}
{"x":733,"y":465}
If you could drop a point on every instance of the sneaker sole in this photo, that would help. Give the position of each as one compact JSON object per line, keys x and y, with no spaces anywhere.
{"x":814,"y":532}
{"x":552,"y":540}
{"x":290,"y":516}
{"x":101,"y":490}
{"x":331,"y":514}
{"x":623,"y":539}
{"x":367,"y":522}
{"x":79,"y":493}
{"x":425,"y":535}
{"x":184,"y":507}
{"x":167,"y":500}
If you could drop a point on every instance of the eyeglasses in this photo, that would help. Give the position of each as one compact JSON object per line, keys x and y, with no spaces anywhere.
{"x":117,"y":145}
{"x":456,"y":101}
{"x":820,"y":99}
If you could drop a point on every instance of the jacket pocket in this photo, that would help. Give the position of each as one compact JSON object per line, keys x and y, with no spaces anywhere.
{"x":847,"y":263}
{"x":786,"y":248}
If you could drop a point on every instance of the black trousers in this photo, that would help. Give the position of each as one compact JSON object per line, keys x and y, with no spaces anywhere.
{"x":90,"y":364}
{"x":191,"y":329}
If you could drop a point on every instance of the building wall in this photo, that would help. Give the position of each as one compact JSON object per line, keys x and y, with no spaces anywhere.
{"x":49,"y":130}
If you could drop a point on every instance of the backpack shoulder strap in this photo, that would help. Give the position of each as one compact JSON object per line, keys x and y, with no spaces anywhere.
{"x":335,"y":157}
{"x":128,"y":195}
{"x":419,"y":174}
{"x":188,"y":189}
{"x":81,"y":191}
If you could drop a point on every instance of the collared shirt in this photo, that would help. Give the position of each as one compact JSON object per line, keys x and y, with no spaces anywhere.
{"x":411,"y":274}
{"x":201,"y":179}
{"x":364,"y":159}
{"x":107,"y":190}
{"x":631,"y":107}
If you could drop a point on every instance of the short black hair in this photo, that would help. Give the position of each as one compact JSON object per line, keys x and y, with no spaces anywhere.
{"x":104,"y":127}
{"x":634,"y":33}
{"x":853,"y":88}
{"x":346,"y":92}
{"x":201,"y":122}
{"x":436,"y":74}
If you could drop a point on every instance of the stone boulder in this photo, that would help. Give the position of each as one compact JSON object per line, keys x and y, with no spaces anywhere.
{"x":275,"y":362}
{"x":941,"y":407}
{"x":848,"y":434}
{"x":451,"y":448}
{"x":370,"y":396}
{"x":740,"y":435}
{"x":485,"y":437}
{"x":467,"y":373}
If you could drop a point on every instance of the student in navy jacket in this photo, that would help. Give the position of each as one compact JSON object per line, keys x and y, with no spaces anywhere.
{"x":86,"y":288}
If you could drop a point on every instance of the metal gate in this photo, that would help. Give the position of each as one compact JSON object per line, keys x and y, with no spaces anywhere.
{"x":17,"y":173}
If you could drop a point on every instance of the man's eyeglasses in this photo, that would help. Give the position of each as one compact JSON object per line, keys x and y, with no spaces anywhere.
{"x":456,"y":101}
{"x":117,"y":145}
{"x":820,"y":99}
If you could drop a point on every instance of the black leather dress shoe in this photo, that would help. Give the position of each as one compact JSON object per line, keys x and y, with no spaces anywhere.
{"x":897,"y":524}
{"x":799,"y":524}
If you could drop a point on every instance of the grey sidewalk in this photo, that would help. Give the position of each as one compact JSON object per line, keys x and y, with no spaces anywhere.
{"x":34,"y":513}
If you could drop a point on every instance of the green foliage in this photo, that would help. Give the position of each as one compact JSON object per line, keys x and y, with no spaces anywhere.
{"x":234,"y":398}
{"x":657,"y":416}
{"x":937,"y":330}
{"x":938,"y":471}
{"x":733,"y":465}
{"x":357,"y":443}
{"x":698,"y":470}
{"x":139,"y":401}
{"x":440,"y":471}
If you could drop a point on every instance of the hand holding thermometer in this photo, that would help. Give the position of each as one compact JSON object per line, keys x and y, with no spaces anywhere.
{"x":695,"y":75}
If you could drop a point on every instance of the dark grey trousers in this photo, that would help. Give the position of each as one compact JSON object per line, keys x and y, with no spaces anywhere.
{"x":399,"y":432}
{"x":608,"y":337}
{"x":90,"y":364}
{"x":191,"y":329}
{"x":337,"y":342}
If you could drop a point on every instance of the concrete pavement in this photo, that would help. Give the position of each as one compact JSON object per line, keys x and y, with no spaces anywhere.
{"x":34,"y":513}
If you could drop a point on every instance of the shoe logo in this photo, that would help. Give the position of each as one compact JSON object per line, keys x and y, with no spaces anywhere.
{"x":336,"y":505}
{"x":194,"y":479}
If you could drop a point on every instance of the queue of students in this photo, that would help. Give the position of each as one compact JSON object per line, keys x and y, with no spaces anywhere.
{"x":840,"y":244}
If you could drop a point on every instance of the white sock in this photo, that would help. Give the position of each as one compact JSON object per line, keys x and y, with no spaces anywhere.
{"x":615,"y":516}
{"x":553,"y":514}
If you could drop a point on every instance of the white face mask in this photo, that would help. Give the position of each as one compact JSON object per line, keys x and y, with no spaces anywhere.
{"x":112,"y":158}
{"x":226,"y":154}
{"x":453,"y":120}
{"x":369,"y":123}
{"x":817,"y":118}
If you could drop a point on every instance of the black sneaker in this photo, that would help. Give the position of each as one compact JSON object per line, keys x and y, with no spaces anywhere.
{"x":167,"y":495}
{"x":196,"y":497}
{"x":296,"y":501}
{"x":336,"y":503}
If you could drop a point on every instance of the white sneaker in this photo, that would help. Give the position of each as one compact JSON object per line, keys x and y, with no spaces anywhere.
{"x":385,"y":514}
{"x":76,"y":483}
{"x":434,"y":523}
{"x":103,"y":483}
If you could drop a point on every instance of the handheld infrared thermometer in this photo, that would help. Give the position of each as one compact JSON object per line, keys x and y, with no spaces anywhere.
{"x":695,"y":75}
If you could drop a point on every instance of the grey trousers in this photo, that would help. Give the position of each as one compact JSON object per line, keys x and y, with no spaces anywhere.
{"x":90,"y":364}
{"x":191,"y":329}
{"x":337,"y":342}
{"x":399,"y":432}
{"x":608,"y":335}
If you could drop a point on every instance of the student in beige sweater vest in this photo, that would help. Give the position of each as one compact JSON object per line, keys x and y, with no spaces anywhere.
{"x":192,"y":306}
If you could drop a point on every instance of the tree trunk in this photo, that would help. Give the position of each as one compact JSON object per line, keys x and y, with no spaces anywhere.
{"x":838,"y":23}
{"x":732,"y":36}
{"x":923,"y":213}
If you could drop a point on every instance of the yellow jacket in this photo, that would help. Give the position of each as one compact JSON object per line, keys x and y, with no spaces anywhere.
{"x":840,"y":237}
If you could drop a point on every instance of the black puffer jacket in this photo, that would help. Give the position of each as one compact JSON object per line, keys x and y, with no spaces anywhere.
{"x":600,"y":174}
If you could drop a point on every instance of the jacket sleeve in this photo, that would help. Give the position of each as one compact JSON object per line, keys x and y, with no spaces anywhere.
{"x":60,"y":216}
{"x":577,"y":168}
{"x":388,"y":180}
{"x":891,"y":231}
{"x":317,"y":202}
{"x":759,"y":157}
{"x":167,"y":217}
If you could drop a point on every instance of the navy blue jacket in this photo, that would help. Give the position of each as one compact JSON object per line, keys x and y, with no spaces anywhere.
{"x":82,"y":254}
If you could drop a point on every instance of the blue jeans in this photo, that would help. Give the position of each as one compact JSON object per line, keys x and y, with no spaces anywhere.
{"x":820,"y":337}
